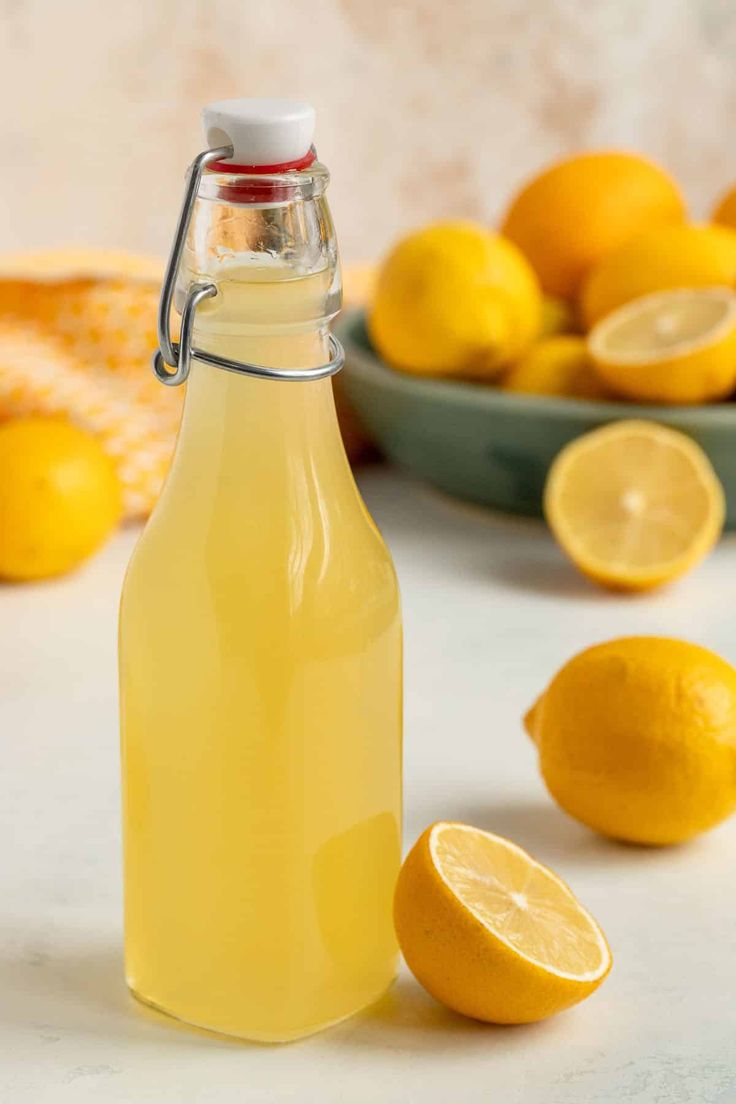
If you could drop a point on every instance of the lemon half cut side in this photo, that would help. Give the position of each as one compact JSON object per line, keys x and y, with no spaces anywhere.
{"x":634,"y":504}
{"x":669,"y":347}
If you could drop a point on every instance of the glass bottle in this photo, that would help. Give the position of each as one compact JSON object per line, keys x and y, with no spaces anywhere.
{"x":260,"y":638}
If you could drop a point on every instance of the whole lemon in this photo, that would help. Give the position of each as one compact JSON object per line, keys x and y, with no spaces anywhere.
{"x":558,"y":317}
{"x":660,"y":259}
{"x":559,"y":365}
{"x":724,"y":212}
{"x":358,"y":281}
{"x":59,"y":497}
{"x":580,"y":209}
{"x":454,"y":300}
{"x":637,"y":739}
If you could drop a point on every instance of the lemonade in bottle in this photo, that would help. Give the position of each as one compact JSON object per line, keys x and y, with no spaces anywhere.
{"x":260,"y":636}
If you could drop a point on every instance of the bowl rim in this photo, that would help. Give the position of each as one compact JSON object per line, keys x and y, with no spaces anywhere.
{"x":476,"y":394}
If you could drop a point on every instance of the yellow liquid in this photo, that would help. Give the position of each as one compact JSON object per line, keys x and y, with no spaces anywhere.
{"x":260,"y":657}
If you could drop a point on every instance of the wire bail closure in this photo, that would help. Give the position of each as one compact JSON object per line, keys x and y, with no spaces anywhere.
{"x":178,"y":354}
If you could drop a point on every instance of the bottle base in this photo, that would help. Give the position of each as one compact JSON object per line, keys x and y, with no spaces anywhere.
{"x":258,"y":1037}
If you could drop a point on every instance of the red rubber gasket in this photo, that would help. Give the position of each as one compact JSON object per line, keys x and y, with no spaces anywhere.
{"x":265,"y":170}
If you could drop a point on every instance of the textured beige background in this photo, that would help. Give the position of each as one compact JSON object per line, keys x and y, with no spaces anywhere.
{"x":425,"y":107}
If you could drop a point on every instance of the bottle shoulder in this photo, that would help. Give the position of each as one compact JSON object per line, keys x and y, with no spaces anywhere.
{"x":318,"y":583}
{"x":319,"y":539}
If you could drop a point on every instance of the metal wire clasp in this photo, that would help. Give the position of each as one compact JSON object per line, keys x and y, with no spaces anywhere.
{"x":178,"y":354}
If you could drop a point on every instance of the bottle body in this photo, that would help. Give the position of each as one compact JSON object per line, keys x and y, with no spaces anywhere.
{"x":260,"y":653}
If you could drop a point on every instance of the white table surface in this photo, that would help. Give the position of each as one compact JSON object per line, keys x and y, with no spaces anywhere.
{"x":491,"y":611}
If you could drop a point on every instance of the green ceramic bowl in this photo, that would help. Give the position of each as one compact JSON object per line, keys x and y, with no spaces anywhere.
{"x":493,"y":447}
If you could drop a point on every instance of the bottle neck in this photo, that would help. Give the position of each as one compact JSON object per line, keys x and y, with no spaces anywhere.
{"x":276,"y":272}
{"x":241,"y":432}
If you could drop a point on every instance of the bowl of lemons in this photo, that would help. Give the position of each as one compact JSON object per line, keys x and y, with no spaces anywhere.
{"x":479,"y":355}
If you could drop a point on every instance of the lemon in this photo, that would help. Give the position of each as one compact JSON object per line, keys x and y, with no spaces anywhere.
{"x":454,"y":300}
{"x":662,"y":258}
{"x":669,"y":347}
{"x":492,"y":933}
{"x":358,"y":284}
{"x":637,"y":739}
{"x":725,"y":210}
{"x":59,"y":497}
{"x":582,"y":208}
{"x":77,"y":331}
{"x":634,"y":504}
{"x":558,"y":365}
{"x":557,"y":317}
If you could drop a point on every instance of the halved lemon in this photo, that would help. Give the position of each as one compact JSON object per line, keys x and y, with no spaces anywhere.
{"x":670,"y":347}
{"x":634,"y":504}
{"x":492,"y":933}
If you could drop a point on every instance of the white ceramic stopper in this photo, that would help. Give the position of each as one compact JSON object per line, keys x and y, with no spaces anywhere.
{"x":261,"y":132}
